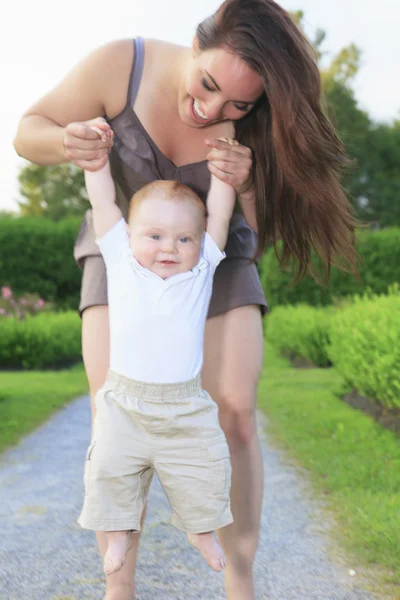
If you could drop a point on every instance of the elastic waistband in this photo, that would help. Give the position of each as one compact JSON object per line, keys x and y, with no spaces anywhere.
{"x":156,"y":391}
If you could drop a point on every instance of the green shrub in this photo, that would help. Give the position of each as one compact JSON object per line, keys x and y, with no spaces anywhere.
{"x":301,"y":332}
{"x":37,"y":257}
{"x":380,"y":255}
{"x":45,"y":340}
{"x":365,"y":347}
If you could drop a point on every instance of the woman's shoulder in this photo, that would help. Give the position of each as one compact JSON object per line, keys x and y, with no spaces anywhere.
{"x":116,"y":53}
{"x":117,"y":58}
{"x":159,"y":52}
{"x":112,"y":64}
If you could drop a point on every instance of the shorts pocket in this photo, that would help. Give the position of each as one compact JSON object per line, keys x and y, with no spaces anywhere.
{"x":86,"y":472}
{"x":221,"y":469}
{"x":90,"y":449}
{"x":101,"y":394}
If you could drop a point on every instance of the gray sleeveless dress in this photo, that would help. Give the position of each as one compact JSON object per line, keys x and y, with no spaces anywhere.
{"x":135,"y":161}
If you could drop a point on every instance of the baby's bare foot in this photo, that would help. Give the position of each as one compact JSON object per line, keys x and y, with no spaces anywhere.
{"x":118,"y":545}
{"x":207,"y":545}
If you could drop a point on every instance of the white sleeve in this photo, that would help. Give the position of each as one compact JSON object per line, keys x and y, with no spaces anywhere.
{"x":211,"y":252}
{"x":114,"y":244}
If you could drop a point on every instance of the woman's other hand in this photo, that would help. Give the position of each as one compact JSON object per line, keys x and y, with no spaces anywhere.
{"x":231,"y":162}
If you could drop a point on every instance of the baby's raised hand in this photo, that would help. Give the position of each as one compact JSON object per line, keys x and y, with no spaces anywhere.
{"x":99,"y":181}
{"x":100,"y":185}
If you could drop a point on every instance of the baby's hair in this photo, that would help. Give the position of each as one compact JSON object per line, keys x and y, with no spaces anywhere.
{"x":167,"y":190}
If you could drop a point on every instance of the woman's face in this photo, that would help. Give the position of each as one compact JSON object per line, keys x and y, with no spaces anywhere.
{"x":218,"y":86}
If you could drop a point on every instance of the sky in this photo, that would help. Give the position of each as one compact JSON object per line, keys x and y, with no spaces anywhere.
{"x":40,"y":41}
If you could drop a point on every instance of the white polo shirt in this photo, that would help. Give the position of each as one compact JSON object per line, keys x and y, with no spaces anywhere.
{"x":156,"y":325}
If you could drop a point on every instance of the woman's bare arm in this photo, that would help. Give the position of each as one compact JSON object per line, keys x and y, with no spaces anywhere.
{"x":98,"y":85}
{"x":247,"y":201}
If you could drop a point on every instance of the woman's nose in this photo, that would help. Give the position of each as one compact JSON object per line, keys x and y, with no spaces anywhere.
{"x":213,"y":109}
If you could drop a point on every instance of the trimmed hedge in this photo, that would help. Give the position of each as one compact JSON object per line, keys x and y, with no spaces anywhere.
{"x":361,"y":339}
{"x":37,"y":257}
{"x":380,"y":268}
{"x":301,"y":332}
{"x":365,"y":347}
{"x":46,"y":340}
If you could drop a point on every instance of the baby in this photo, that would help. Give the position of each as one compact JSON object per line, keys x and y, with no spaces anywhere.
{"x":152,"y":413}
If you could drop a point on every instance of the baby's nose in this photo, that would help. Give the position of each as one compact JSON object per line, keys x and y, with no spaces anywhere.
{"x":169,"y":245}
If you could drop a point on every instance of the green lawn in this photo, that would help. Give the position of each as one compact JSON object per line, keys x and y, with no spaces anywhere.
{"x":352,"y":460}
{"x":27,"y":398}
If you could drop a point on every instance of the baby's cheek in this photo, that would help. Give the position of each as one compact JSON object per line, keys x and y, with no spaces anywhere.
{"x":143,"y":254}
{"x":193,"y":258}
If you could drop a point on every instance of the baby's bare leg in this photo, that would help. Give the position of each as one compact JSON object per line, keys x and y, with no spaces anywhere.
{"x":211,"y":551}
{"x":121,"y":584}
{"x":118,"y":545}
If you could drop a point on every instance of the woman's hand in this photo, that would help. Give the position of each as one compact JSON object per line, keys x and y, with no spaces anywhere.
{"x":231,"y":162}
{"x":87,"y":144}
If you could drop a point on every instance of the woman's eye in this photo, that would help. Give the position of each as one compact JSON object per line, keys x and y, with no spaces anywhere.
{"x":206,"y":86}
{"x":155,"y":236}
{"x":242,"y":108}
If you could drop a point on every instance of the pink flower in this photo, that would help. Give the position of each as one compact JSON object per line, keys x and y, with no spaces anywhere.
{"x":23,"y":301}
{"x":40,"y":303}
{"x":6,"y":292}
{"x":2,"y":311}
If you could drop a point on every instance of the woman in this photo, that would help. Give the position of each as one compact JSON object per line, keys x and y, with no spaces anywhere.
{"x":250,"y":75}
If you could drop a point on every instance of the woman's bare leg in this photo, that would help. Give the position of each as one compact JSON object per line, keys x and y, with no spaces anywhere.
{"x":233,"y":356}
{"x":96,"y":350}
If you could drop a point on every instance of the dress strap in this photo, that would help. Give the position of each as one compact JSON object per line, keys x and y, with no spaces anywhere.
{"x":137,"y":70}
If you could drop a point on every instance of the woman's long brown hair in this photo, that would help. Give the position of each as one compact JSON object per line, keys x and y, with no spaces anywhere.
{"x":298,"y":158}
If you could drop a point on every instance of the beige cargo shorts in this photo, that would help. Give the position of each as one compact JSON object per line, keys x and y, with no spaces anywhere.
{"x":170,"y":429}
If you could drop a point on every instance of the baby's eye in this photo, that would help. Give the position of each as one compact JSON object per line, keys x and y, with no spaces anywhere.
{"x":155,"y":236}
{"x":185,"y":240}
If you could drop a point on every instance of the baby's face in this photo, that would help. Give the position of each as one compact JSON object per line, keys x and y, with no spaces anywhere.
{"x":166,"y":235}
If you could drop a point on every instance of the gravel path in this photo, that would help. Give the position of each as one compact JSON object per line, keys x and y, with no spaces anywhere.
{"x":45,"y":555}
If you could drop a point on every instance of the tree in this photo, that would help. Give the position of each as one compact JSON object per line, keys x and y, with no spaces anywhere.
{"x":383,"y":175}
{"x":55,"y":192}
{"x":344,"y":66}
{"x":353,"y":126}
{"x":319,"y":36}
{"x":373,"y":183}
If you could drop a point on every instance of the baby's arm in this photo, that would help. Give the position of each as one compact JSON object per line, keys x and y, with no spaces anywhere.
{"x":101,"y":191}
{"x":220,"y":204}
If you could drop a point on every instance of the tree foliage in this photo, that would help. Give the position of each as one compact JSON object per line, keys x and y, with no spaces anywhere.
{"x":373,"y":183}
{"x":55,"y":192}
